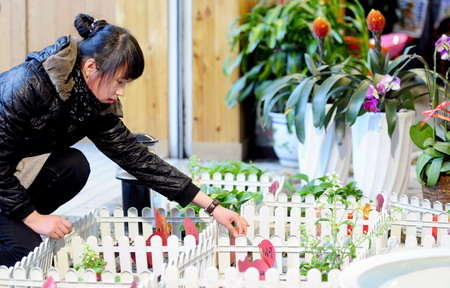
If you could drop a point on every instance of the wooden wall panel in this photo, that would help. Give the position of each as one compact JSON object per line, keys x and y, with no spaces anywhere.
{"x":146,"y":100}
{"x":213,"y":120}
{"x":12,"y":33}
{"x":49,"y":19}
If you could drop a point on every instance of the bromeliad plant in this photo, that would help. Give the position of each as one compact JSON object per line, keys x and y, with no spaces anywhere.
{"x":380,"y":85}
{"x":435,"y":142}
{"x":271,"y":41}
{"x":329,"y":57}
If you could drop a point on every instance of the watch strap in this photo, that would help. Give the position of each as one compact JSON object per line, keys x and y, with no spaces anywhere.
{"x":210,"y":209}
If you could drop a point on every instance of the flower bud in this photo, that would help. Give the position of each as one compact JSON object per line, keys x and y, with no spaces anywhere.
{"x":320,"y":27}
{"x":375,"y":21}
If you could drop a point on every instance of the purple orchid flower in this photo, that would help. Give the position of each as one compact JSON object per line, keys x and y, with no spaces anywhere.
{"x":388,"y":83}
{"x":371,"y":105}
{"x":372,"y":93}
{"x":443,"y":47}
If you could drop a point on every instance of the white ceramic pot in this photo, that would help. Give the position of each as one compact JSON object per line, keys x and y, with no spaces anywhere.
{"x":321,"y":154}
{"x":381,"y":163}
{"x":284,"y":143}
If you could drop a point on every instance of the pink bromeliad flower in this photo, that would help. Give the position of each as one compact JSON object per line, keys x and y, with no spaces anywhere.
{"x":443,"y":47}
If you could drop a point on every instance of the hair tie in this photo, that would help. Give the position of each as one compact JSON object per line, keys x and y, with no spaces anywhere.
{"x":93,"y":26}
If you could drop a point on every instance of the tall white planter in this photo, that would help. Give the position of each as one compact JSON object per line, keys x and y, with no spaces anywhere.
{"x":284,"y":143}
{"x":321,"y":154}
{"x":381,"y":163}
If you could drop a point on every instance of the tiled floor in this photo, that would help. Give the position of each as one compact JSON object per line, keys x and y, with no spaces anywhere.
{"x":104,"y":190}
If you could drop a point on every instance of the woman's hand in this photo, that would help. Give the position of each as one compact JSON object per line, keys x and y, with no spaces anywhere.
{"x":223,"y":215}
{"x":52,"y":226}
{"x":227,"y":217}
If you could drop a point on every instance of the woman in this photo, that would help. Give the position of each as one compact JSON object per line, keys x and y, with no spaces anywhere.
{"x":58,"y":96}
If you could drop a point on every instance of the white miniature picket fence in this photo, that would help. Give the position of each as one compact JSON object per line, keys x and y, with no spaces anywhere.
{"x":414,"y":204}
{"x":102,"y":231}
{"x":248,"y":279}
{"x":410,"y":231}
{"x":289,"y":253}
{"x":283,"y":217}
{"x":241,"y":182}
{"x":35,"y":278}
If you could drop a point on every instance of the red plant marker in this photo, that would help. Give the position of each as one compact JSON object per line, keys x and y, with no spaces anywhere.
{"x":349,"y":227}
{"x":434,"y":229}
{"x":274,"y":187}
{"x":163,"y":230}
{"x":191,"y":229}
{"x":380,"y":202}
{"x":49,"y":283}
{"x":258,"y":264}
{"x":267,"y":252}
{"x":366,"y":211}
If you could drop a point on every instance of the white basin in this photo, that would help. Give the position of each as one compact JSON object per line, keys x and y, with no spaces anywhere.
{"x":406,"y":268}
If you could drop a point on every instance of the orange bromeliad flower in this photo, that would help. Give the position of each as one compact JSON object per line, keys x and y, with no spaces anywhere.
{"x":320,"y":27}
{"x":375,"y":21}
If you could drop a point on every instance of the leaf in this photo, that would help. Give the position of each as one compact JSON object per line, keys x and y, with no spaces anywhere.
{"x":442,"y":147}
{"x":320,"y":98}
{"x":422,"y":161}
{"x":300,"y":110}
{"x":434,"y":171}
{"x":433,"y":152}
{"x":445,"y":167}
{"x":254,"y":38}
{"x":391,"y":115}
{"x":310,"y":63}
{"x":418,"y":136}
{"x":356,"y":101}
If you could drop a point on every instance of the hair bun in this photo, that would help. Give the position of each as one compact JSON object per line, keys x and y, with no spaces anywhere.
{"x":86,"y":25}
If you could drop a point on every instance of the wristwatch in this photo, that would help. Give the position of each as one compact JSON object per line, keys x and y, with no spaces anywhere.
{"x":210,"y":209}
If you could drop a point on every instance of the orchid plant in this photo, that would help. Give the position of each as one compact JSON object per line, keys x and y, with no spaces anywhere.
{"x":435,"y":142}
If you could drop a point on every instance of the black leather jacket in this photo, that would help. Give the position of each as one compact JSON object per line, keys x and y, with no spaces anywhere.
{"x":32,"y":95}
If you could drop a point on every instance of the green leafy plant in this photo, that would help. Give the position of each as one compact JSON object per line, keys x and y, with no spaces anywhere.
{"x":434,"y":142}
{"x":326,"y":185}
{"x":271,"y":41}
{"x":332,"y":251}
{"x":234,"y":167}
{"x":229,"y":199}
{"x":90,"y":259}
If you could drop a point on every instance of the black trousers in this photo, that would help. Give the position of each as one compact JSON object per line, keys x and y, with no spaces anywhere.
{"x":63,"y":175}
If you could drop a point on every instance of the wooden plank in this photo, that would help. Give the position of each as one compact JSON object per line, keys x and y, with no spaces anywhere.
{"x":146,"y":101}
{"x":12,"y":33}
{"x":213,"y":120}
{"x":50,"y":19}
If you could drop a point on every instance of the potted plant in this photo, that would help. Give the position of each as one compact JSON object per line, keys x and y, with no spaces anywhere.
{"x":373,"y":102}
{"x":433,"y":165}
{"x":319,"y":153}
{"x":272,"y":40}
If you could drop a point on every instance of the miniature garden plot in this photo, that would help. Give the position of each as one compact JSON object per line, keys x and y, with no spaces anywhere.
{"x":314,"y":242}
{"x":117,"y":245}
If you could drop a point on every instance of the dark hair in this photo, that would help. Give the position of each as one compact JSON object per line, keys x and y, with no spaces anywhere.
{"x":111,"y":46}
